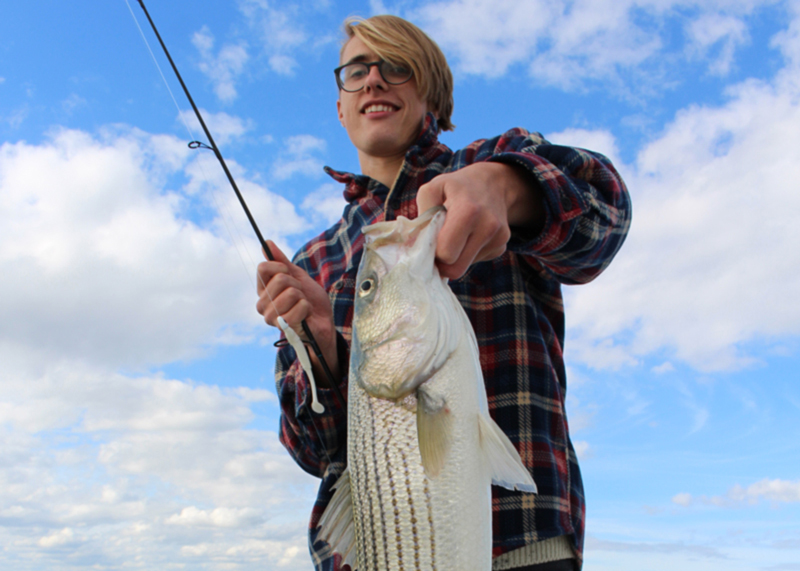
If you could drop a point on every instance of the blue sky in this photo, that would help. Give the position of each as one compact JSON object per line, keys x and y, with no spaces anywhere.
{"x":137,"y":401}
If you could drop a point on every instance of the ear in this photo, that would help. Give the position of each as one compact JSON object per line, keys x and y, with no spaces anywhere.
{"x":339,"y":112}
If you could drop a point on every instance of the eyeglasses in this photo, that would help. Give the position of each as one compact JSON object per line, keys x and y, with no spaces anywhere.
{"x":352,"y":76}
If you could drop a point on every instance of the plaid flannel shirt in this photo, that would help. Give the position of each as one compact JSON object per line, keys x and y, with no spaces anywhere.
{"x":514,"y":303}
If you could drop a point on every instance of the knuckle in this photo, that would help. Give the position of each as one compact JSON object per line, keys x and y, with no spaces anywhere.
{"x":504,"y":234}
{"x":499,"y":251}
{"x":281,"y":281}
{"x":448,"y":256}
{"x":471,"y":209}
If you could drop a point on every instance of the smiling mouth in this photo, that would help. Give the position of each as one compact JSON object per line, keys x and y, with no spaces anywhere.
{"x":379,"y":108}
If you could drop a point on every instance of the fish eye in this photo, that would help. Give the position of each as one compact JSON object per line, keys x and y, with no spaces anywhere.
{"x":365,"y":288}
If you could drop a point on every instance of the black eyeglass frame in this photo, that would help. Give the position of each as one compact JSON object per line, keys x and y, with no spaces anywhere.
{"x":369,"y":65}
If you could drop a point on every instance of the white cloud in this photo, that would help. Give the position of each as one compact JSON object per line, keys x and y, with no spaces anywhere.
{"x":326,"y":204}
{"x":102,"y":269}
{"x":582,"y":449}
{"x":73,"y":102}
{"x":222,"y":69}
{"x":58,"y":538}
{"x":16,"y":117}
{"x":282,"y":64}
{"x":275,"y":216}
{"x":224,"y":128}
{"x":219,"y":517}
{"x":488,"y":37}
{"x":709,"y":264}
{"x":712,"y":29}
{"x":602,"y":142}
{"x":567,"y":42}
{"x":110,"y":468}
{"x":775,"y":491}
{"x":667,"y":553}
{"x":299,"y":157}
{"x":280,"y":31}
{"x":682,"y":499}
{"x":99,"y":264}
{"x":788,"y":40}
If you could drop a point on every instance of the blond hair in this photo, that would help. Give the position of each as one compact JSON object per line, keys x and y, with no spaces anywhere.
{"x":400,"y":42}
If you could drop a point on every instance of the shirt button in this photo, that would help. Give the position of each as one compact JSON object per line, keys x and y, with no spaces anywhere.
{"x":566,"y":203}
{"x":338,"y":285}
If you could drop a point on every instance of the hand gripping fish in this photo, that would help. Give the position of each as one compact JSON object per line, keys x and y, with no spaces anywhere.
{"x":422,"y":448}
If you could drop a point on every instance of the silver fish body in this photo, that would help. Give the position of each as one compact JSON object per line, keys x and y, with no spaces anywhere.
{"x":422,"y":448}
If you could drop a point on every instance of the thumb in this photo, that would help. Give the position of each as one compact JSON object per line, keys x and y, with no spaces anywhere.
{"x":277,"y":253}
{"x":294,"y":270}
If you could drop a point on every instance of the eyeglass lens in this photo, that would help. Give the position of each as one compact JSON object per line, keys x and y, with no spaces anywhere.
{"x":353,"y":76}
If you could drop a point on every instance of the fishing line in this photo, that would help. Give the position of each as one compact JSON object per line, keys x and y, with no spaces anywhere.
{"x":236,"y":236}
{"x":294,"y":340}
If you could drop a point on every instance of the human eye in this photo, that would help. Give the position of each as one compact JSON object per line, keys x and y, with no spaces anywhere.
{"x":355,"y":71}
{"x":396,"y":71}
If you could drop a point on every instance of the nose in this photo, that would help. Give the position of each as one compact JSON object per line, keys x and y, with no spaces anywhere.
{"x":374,"y":79}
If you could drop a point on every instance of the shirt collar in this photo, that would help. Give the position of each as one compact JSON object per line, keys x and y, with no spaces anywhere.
{"x":358,"y":185}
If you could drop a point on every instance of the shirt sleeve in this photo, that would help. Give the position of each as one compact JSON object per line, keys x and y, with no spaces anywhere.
{"x":312,"y":439}
{"x":587,"y":205}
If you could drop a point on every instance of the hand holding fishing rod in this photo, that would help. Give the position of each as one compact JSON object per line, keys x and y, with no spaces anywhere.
{"x":286,"y":290}
{"x":317,"y":351}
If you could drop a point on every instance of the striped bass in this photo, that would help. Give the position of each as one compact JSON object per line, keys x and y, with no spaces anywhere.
{"x":422,"y":448}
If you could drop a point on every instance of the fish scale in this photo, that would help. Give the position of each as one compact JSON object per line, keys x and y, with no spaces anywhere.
{"x":390,"y":491}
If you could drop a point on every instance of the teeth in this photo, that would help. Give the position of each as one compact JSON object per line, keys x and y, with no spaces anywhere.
{"x":378,"y":108}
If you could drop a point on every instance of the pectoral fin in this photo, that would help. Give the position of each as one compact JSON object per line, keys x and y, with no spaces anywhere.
{"x":337,"y":527}
{"x":502,"y":459}
{"x":434,"y":431}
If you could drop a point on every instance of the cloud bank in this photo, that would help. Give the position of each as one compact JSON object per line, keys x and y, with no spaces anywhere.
{"x":115,"y":259}
{"x":710,"y":263}
{"x":775,"y":491}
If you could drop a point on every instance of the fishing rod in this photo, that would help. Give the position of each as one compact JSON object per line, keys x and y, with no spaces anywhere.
{"x":213,"y":147}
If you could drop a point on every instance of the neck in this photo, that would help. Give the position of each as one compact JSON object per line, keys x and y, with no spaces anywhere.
{"x":382,"y":169}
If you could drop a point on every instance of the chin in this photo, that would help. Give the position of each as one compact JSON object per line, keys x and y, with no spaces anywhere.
{"x":386,"y":144}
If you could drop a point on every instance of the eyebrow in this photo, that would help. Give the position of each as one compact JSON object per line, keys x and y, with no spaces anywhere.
{"x":358,"y":59}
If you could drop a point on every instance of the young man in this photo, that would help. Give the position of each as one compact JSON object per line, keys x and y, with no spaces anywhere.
{"x":523,"y":217}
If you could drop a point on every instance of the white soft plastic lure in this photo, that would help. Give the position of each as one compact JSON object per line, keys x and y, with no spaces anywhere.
{"x":422,"y":448}
{"x":305,"y":361}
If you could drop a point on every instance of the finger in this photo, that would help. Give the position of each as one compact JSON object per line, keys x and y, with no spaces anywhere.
{"x":293,"y":268}
{"x":461,"y":225}
{"x":461,"y":262}
{"x":496,"y":247}
{"x":431,"y":194}
{"x":486,"y":242}
{"x":293,"y":307}
{"x":277,"y":284}
{"x":451,"y":242}
{"x":277,"y":253}
{"x":266,"y":271}
{"x":282,"y":282}
{"x":281,"y":305}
